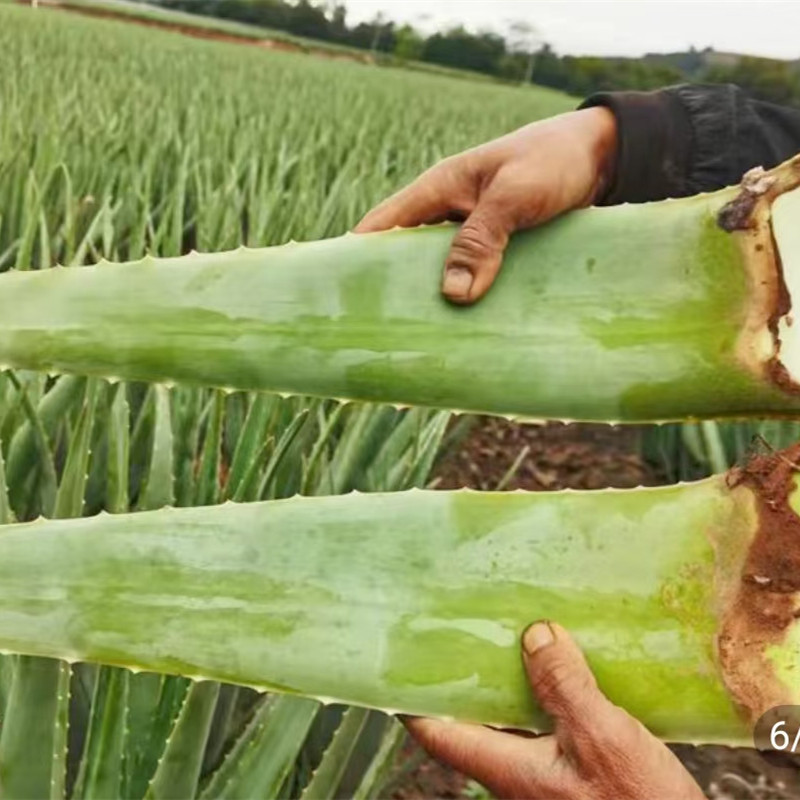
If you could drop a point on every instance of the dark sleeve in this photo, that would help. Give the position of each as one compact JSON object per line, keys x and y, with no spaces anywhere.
{"x":693,"y":138}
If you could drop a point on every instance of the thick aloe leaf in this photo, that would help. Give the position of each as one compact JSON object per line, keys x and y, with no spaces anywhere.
{"x":33,"y":738}
{"x":154,"y":704}
{"x":6,"y":513}
{"x":261,"y":760}
{"x":35,"y":730}
{"x":208,"y":478}
{"x":179,"y":767}
{"x":376,"y":775}
{"x":265,"y":484}
{"x":325,"y":434}
{"x":48,"y":478}
{"x":100,"y":772}
{"x":328,"y":774}
{"x":416,"y":599}
{"x":189,"y":413}
{"x":69,"y":498}
{"x":25,"y":447}
{"x":224,"y":727}
{"x":250,"y":443}
{"x":628,"y":313}
{"x":159,"y":485}
{"x":6,"y":680}
{"x":118,"y":477}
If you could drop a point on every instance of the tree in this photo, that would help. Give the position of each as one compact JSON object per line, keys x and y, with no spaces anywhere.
{"x":408,"y":44}
{"x":764,"y":78}
{"x":522,"y":40}
{"x":460,"y":49}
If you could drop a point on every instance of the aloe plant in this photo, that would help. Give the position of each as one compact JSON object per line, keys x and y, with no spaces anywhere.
{"x":114,"y":170}
{"x":137,"y":734}
{"x":588,"y":327}
{"x":415,"y":601}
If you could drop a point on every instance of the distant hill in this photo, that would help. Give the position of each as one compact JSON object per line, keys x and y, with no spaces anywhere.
{"x":696,"y":63}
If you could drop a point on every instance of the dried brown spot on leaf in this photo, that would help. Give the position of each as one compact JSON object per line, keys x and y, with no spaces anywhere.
{"x":748,"y":218}
{"x":766,"y":599}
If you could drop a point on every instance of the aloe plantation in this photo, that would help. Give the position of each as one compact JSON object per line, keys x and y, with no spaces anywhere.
{"x":224,"y":564}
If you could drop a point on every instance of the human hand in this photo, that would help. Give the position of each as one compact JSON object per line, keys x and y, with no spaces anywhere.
{"x":517,"y":181}
{"x":596,"y":752}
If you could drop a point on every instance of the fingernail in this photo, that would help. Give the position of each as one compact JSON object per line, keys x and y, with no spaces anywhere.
{"x":457,"y":281}
{"x":538,"y":635}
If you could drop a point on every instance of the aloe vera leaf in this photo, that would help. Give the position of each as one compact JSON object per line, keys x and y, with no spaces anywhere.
{"x":33,"y":736}
{"x":49,"y":481}
{"x":159,"y":485}
{"x":247,"y":488}
{"x":58,"y":768}
{"x":141,"y":398}
{"x":6,"y":513}
{"x":265,"y":485}
{"x":427,"y":448}
{"x":186,"y":437}
{"x":635,"y":312}
{"x":714,"y":447}
{"x":358,"y":441}
{"x":397,"y":451}
{"x":208,"y":480}
{"x":250,"y":442}
{"x":118,"y":477}
{"x":28,"y":235}
{"x":100,"y":771}
{"x":417,"y":599}
{"x":328,"y":774}
{"x":178,"y":770}
{"x":154,"y":703}
{"x":380,"y":767}
{"x":325,"y":434}
{"x":259,"y":763}
{"x":7,"y":662}
{"x":69,"y":498}
{"x":224,"y":727}
{"x":41,"y":727}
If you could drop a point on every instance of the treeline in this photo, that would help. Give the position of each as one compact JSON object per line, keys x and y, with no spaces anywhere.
{"x":506,"y":58}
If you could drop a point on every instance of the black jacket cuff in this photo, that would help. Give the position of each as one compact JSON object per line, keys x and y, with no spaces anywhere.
{"x":654,"y":144}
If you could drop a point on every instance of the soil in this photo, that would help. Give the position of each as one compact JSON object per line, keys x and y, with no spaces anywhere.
{"x":206,"y":33}
{"x":764,"y":604}
{"x":578,"y":456}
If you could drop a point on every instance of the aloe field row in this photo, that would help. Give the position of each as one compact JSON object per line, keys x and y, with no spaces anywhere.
{"x":158,"y":144}
{"x":183,"y":539}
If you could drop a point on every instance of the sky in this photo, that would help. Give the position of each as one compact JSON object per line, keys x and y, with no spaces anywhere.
{"x":613,"y":27}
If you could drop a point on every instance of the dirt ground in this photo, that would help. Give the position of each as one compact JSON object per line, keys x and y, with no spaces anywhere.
{"x":206,"y":33}
{"x":558,"y":456}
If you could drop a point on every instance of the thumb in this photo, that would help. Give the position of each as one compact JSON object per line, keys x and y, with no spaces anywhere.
{"x":475,"y":255}
{"x":559,"y":675}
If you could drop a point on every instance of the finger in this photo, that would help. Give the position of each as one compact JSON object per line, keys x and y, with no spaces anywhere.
{"x":476,"y":254}
{"x":496,"y":759}
{"x":433,"y":197}
{"x":560,"y":677}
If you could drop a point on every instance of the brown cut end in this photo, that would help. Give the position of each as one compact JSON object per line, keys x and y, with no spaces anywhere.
{"x":748,"y":217}
{"x":765,"y":600}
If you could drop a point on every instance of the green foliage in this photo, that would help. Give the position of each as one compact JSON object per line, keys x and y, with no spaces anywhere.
{"x":159,"y":144}
{"x":491,"y":54}
{"x":765,"y":78}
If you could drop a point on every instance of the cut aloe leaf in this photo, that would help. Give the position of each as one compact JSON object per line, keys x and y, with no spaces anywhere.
{"x":655,"y":311}
{"x":684,"y":598}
